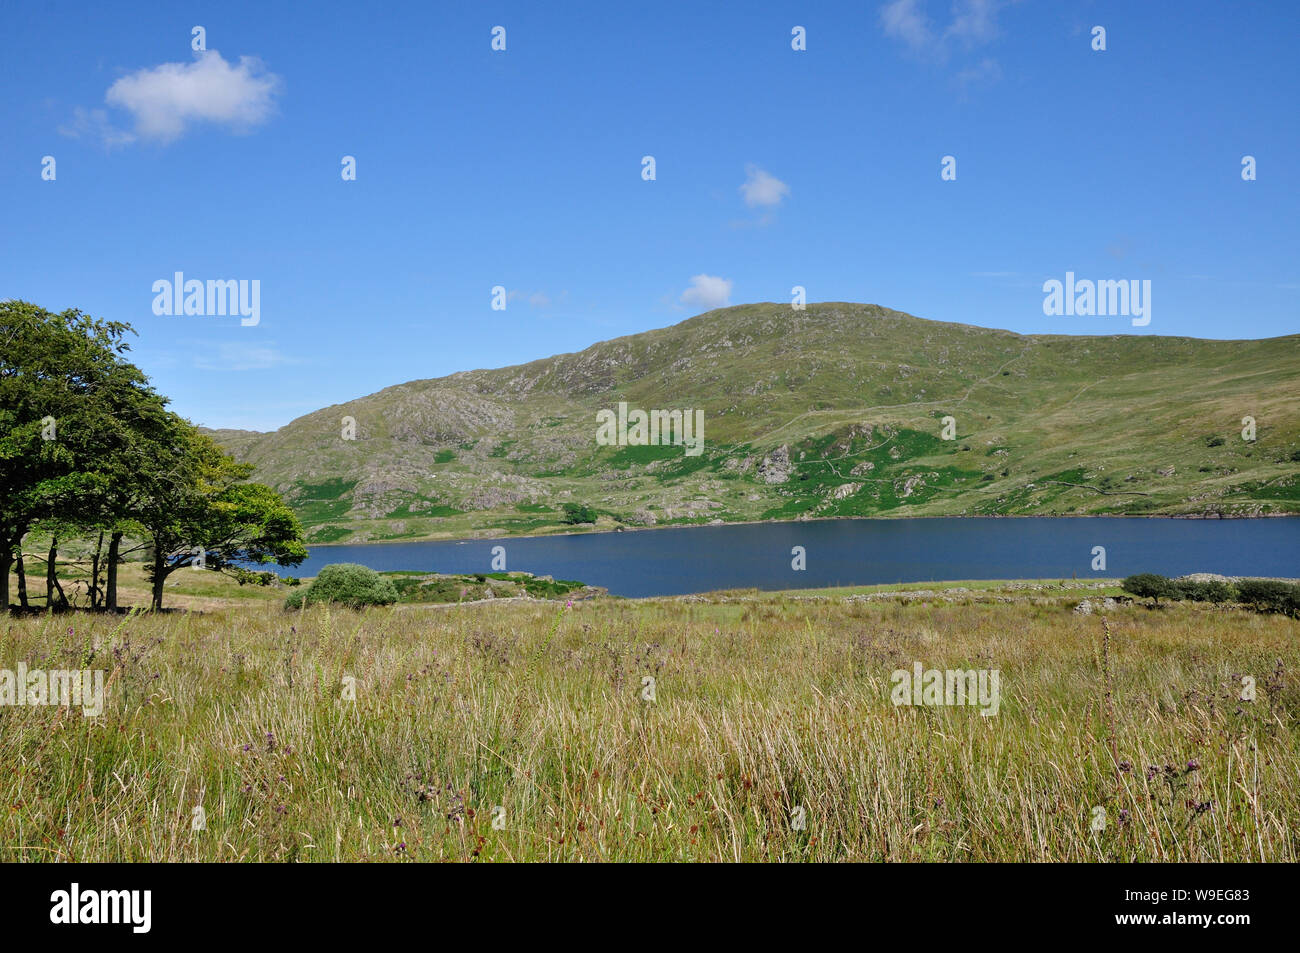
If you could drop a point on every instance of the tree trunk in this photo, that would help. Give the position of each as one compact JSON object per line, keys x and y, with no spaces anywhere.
{"x":6,"y":560}
{"x":159,"y":577}
{"x":94,"y":572}
{"x":110,"y":572}
{"x":22,"y":578}
{"x":52,"y":579}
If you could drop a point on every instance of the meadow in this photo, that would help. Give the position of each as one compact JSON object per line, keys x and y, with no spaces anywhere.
{"x":527,"y":731}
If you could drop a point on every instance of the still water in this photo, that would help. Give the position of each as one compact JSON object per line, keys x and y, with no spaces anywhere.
{"x":856,"y":552}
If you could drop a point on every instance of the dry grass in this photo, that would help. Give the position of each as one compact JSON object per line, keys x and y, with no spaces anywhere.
{"x":764,"y":705}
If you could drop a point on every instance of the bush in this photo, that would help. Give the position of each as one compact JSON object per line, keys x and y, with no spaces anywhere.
{"x":1209,"y":591}
{"x":1270,"y":595}
{"x":1149,"y":585}
{"x":578,"y":513}
{"x":1214,"y":441}
{"x":346,"y":584}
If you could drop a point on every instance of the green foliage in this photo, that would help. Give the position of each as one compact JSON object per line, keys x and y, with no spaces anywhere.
{"x":346,"y":584}
{"x":1149,"y":585}
{"x":322,"y":502}
{"x":1270,"y":595}
{"x":1211,"y":590}
{"x":575,"y":513}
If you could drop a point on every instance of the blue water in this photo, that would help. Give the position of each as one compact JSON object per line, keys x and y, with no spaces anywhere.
{"x":857,"y":552}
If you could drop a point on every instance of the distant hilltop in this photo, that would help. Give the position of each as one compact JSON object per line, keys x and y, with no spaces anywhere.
{"x":836,"y":410}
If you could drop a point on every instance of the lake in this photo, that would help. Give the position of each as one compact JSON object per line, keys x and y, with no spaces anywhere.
{"x":690,"y":559}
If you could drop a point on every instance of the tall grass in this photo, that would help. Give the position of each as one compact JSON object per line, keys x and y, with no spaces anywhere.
{"x":533,"y":716}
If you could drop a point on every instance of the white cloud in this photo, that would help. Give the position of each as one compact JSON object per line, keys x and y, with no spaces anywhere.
{"x":241,"y":357}
{"x":762,"y":188}
{"x":986,"y":70}
{"x":536,"y":299}
{"x":95,"y":124}
{"x":707,"y":292}
{"x":166,"y":99}
{"x":974,"y":22}
{"x":904,"y":20}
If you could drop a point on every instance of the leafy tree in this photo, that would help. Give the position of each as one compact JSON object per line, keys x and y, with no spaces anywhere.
{"x":1211,"y":590}
{"x":1270,"y":595}
{"x":1149,"y":585}
{"x":578,"y":513}
{"x":346,"y":584}
{"x":206,"y":517}
{"x":63,"y":386}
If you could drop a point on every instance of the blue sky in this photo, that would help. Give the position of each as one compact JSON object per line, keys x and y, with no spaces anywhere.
{"x":522,"y":168}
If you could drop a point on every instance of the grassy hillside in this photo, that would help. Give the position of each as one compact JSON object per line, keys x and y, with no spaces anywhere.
{"x":833,"y":411}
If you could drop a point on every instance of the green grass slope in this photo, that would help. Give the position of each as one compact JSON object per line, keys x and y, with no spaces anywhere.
{"x":833,"y":411}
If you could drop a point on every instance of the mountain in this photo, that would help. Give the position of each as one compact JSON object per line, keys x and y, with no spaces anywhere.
{"x":836,"y":410}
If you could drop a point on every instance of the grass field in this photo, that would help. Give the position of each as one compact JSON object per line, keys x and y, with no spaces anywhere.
{"x":521,"y":731}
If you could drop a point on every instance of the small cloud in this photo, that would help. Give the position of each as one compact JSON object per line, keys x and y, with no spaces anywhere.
{"x":973,"y":24}
{"x":986,"y":70}
{"x":95,"y":124}
{"x":164,"y":100}
{"x":230,"y":356}
{"x":762,"y":188}
{"x":707,"y":292}
{"x":904,"y":20}
{"x":974,"y":21}
{"x":535,"y":299}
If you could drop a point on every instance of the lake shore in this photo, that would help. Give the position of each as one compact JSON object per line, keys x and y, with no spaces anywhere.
{"x":490,"y":534}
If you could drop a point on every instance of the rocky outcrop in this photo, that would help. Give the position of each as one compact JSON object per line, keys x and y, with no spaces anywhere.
{"x":776,"y":467}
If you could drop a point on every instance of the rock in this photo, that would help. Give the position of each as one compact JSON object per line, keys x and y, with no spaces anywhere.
{"x":905,"y":487}
{"x":776,"y":467}
{"x":1088,"y":606}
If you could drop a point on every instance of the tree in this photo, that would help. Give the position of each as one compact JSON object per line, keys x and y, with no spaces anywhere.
{"x":578,"y":513}
{"x":1270,"y":595}
{"x":346,"y":584}
{"x":204,"y":517}
{"x":62,"y":381}
{"x":1149,"y":585}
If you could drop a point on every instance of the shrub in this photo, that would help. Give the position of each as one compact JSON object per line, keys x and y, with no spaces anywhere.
{"x":1214,"y":441}
{"x":346,"y":584}
{"x":1270,"y":595}
{"x":578,"y":513}
{"x":1149,"y":585}
{"x":1209,"y":591}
